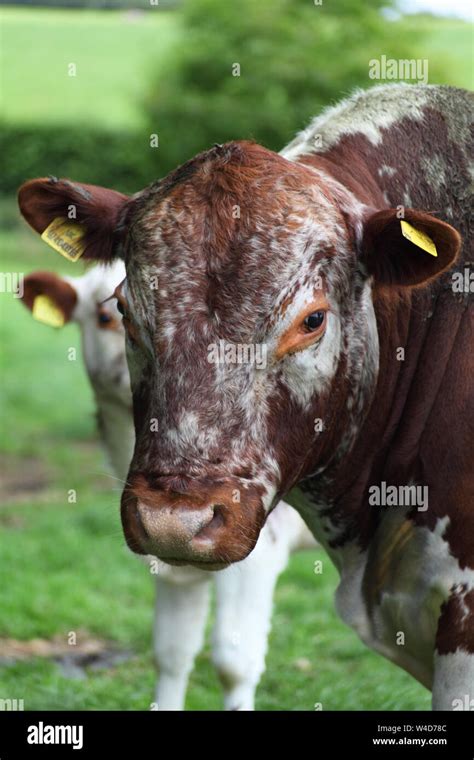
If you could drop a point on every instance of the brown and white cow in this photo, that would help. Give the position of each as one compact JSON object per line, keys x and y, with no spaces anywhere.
{"x":367,"y":388}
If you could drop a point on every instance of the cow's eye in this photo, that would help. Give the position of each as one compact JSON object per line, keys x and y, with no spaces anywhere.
{"x":104,"y":318}
{"x":313,"y":321}
{"x":304,"y":331}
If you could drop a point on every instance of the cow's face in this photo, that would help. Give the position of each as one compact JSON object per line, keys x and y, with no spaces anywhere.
{"x":252,"y":341}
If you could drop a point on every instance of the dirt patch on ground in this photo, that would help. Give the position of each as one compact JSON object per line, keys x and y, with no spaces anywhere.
{"x":73,"y":652}
{"x":25,"y":478}
{"x":21,"y":478}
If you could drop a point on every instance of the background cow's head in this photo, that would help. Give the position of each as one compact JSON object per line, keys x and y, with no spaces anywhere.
{"x":88,"y":300}
{"x":252,"y":340}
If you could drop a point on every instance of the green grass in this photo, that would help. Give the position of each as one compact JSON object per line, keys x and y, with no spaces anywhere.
{"x":112,"y":52}
{"x":67,"y":568}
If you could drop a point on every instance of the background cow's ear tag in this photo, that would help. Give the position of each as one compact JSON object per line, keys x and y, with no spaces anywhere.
{"x":65,"y":237}
{"x":45,"y":310}
{"x":418,"y":238}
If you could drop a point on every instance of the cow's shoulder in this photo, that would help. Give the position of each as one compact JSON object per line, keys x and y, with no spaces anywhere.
{"x":371,"y":112}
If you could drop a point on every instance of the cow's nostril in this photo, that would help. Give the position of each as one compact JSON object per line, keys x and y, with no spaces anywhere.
{"x":216,"y":522}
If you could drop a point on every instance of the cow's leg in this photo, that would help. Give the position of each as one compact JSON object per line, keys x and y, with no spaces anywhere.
{"x":453,"y":681}
{"x":180,"y":619}
{"x":244,"y":605}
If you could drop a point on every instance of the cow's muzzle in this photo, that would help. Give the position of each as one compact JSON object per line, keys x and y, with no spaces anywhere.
{"x":207,"y":526}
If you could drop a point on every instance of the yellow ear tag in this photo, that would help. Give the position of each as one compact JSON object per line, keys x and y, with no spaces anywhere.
{"x":418,"y":238}
{"x":46,"y":311}
{"x":65,"y":237}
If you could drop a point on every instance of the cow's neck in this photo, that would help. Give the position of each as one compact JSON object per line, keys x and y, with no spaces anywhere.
{"x":383,"y":448}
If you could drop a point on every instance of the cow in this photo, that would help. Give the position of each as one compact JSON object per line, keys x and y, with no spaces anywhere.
{"x":342,"y":256}
{"x":244,"y":594}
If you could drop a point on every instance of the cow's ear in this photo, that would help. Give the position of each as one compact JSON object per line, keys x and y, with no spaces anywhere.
{"x":396,"y":251}
{"x":97,"y":209}
{"x":50,"y":298}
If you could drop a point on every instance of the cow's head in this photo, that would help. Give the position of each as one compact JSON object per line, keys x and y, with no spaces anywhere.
{"x":252,"y":340}
{"x":87,"y":301}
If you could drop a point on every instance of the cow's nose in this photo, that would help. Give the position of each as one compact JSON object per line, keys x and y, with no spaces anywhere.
{"x":171,"y":526}
{"x":172,"y":530}
{"x":191,"y":522}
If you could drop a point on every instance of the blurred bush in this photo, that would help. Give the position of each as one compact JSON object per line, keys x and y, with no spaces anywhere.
{"x":295,"y":57}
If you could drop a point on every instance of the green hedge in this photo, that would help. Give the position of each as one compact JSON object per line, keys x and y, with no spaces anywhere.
{"x":124,"y":161}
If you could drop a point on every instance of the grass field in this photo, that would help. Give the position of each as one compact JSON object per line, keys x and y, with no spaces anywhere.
{"x":63,"y":565}
{"x":113,"y":52}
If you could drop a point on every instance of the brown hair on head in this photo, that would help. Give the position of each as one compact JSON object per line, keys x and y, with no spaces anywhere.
{"x":236,"y":155}
{"x":222,"y":190}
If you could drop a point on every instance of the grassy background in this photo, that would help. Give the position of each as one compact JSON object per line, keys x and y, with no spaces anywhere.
{"x":64,"y":565}
{"x":112,"y":51}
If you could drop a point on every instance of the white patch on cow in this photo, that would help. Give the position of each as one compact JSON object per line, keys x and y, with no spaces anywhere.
{"x":309,"y":372}
{"x":365,"y":333}
{"x":349,"y":600}
{"x":240,"y":635}
{"x":453,"y":682}
{"x":386,"y":171}
{"x":102,"y":349}
{"x":417,"y":579}
{"x":418,"y":574}
{"x":104,"y":358}
{"x":190,"y":434}
{"x":346,"y":203}
{"x":268,"y":481}
{"x":365,"y":112}
{"x":434,"y":170}
{"x":187,"y":431}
